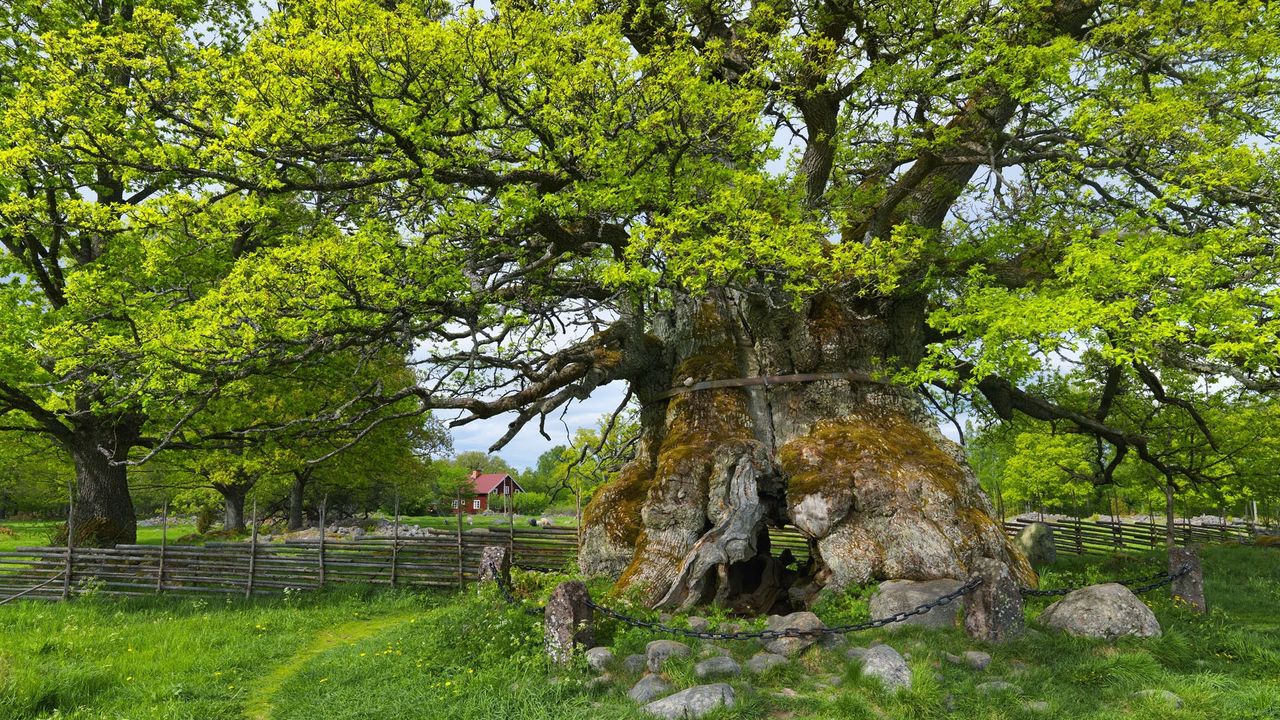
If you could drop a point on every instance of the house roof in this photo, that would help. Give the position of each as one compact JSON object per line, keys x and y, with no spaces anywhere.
{"x":489,"y":482}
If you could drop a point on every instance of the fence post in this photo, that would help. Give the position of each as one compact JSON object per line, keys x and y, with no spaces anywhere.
{"x":395,"y":540}
{"x":457,"y":508}
{"x":993,"y":610}
{"x":495,"y":565}
{"x":253,"y":550}
{"x":71,"y":534}
{"x":1190,"y":587}
{"x":511,"y":524}
{"x":568,"y":621}
{"x":1079,"y":538}
{"x":323,"y":503}
{"x":164,"y":542}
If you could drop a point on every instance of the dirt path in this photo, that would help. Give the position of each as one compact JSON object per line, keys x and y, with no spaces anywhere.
{"x":259,"y":704}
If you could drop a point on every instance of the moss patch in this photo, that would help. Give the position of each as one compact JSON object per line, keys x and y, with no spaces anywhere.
{"x":835,"y":452}
{"x":616,"y":506}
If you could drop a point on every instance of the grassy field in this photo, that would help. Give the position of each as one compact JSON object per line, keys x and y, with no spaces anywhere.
{"x":450,"y":522}
{"x":352,"y":653}
{"x":37,"y":532}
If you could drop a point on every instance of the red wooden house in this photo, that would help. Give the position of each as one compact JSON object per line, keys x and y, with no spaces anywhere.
{"x":488,"y":491}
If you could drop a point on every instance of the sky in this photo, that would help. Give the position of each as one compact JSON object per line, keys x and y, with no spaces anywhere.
{"x":524,"y":449}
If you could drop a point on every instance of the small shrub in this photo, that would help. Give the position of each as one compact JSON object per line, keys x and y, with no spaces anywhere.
{"x":205,"y":520}
{"x":98,"y":532}
{"x":530,"y":503}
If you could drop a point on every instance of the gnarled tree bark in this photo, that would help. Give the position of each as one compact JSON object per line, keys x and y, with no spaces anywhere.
{"x":856,"y":464}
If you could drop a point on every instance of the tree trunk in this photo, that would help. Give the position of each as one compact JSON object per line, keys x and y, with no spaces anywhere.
{"x":103,"y":514}
{"x":857,"y":465}
{"x":233,"y":506}
{"x":297,"y":492}
{"x":1170,"y":516}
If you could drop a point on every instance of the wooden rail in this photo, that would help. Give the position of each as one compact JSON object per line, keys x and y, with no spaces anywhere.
{"x":1103,"y":537}
{"x":250,"y":569}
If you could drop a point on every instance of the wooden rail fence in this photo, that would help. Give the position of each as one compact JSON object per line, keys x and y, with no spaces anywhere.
{"x":438,"y":561}
{"x":248,"y":568}
{"x":1103,"y":537}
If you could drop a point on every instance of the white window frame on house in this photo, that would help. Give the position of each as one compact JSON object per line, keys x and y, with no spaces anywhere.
{"x":475,"y":504}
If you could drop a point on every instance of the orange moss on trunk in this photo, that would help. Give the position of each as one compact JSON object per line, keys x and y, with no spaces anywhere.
{"x":834,"y":452}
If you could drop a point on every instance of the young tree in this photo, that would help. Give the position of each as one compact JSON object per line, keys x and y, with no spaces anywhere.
{"x":595,"y":458}
{"x":279,"y":434}
{"x":773,"y":221}
{"x":114,"y":215}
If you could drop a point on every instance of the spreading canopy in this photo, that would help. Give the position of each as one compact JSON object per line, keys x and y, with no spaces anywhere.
{"x":525,"y":189}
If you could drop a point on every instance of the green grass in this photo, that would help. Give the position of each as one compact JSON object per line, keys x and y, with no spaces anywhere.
{"x":162,"y":657}
{"x":450,"y":522}
{"x":352,"y":653}
{"x":28,"y":533}
{"x":37,"y":532}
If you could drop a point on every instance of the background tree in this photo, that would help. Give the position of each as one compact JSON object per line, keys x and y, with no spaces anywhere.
{"x":34,"y":476}
{"x":1039,"y":465}
{"x":482,"y":462}
{"x":113,"y":216}
{"x":277,"y":436}
{"x":595,"y":458}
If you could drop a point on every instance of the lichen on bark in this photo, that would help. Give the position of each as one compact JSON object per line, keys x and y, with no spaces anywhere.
{"x":859,"y":467}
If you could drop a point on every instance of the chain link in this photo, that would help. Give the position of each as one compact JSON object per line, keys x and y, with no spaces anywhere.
{"x":792,"y":632}
{"x":1167,"y":579}
{"x":506,"y":592}
{"x":1159,"y":580}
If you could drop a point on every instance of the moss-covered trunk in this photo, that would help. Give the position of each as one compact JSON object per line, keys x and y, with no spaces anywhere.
{"x":857,"y":465}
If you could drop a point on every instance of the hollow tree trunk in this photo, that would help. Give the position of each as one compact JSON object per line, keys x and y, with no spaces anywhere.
{"x":103,"y":513}
{"x":857,"y":465}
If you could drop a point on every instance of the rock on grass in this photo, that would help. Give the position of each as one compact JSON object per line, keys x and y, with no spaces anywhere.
{"x":659,"y":652}
{"x":649,"y":687}
{"x":888,"y":666}
{"x":764,"y":661}
{"x":720,"y":666}
{"x":692,"y":703}
{"x":599,"y":658}
{"x":1106,"y":612}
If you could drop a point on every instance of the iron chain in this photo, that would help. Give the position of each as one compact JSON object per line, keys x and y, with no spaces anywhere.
{"x":792,"y":632}
{"x":506,"y":592}
{"x":1158,"y":580}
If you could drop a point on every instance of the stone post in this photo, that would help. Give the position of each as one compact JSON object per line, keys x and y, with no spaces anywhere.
{"x":1037,"y":543}
{"x":495,"y":565}
{"x":568,"y":621}
{"x":1190,"y":587}
{"x":993,"y":610}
